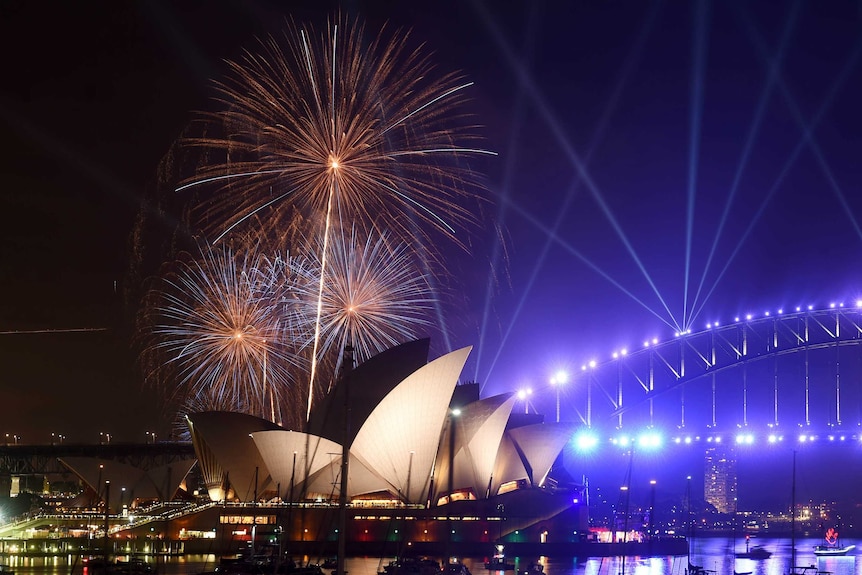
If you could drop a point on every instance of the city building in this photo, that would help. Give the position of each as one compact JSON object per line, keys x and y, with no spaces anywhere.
{"x":719,"y":480}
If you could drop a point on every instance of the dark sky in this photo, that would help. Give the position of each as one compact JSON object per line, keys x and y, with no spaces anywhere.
{"x":658,"y":103}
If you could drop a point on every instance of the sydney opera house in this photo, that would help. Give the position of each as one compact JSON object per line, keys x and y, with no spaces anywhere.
{"x":427,"y":461}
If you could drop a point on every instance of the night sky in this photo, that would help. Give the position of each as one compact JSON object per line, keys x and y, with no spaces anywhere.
{"x":624,"y":132}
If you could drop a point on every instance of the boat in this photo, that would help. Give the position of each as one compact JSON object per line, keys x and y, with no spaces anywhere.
{"x":499,"y":563}
{"x":697,"y":569}
{"x":456,"y":568}
{"x":756,"y":552}
{"x":134,"y":566}
{"x":412,"y":566}
{"x":832,"y":551}
{"x":532,"y":569}
{"x":832,"y":547}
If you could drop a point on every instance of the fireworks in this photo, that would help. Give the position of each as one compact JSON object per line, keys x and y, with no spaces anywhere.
{"x":375,"y":296}
{"x":213,"y":338}
{"x":234,"y":331}
{"x":346,"y":130}
{"x":337,"y":120}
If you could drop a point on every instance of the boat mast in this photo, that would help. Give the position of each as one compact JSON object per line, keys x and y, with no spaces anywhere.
{"x":690,"y":521}
{"x":793,"y":517}
{"x":346,"y":368}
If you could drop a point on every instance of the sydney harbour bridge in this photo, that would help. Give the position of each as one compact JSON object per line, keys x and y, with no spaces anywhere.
{"x":763,"y":390}
{"x":781,"y":374}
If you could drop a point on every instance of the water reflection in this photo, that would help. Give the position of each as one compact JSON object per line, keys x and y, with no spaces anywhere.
{"x":716,"y":555}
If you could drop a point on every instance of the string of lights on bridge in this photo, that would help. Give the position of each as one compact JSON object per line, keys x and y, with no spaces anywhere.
{"x":653,"y":440}
{"x":716,"y":324}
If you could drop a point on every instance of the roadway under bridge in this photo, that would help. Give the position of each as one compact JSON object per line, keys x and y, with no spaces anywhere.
{"x":22,"y":459}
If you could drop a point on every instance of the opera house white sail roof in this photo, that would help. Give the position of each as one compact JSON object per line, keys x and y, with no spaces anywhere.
{"x":404,"y":441}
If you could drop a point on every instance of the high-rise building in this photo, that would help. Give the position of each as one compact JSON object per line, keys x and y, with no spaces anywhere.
{"x":719,"y":484}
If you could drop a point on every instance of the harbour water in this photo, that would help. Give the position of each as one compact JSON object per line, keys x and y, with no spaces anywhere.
{"x":716,"y":555}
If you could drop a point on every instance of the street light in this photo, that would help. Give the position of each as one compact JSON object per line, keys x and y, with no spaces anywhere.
{"x":560,"y":379}
{"x":524,"y":395}
{"x":652,"y":521}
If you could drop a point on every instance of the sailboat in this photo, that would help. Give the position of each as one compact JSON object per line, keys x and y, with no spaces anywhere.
{"x":832,"y":547}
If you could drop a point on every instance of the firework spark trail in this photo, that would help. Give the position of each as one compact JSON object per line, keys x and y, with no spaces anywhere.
{"x":333,"y":168}
{"x":58,"y":330}
{"x":331,"y":118}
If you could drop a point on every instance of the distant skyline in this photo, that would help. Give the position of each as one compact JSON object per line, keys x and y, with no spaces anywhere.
{"x":627,"y":137}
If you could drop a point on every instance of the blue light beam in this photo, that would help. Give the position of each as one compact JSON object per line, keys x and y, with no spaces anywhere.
{"x":698,"y":71}
{"x":550,"y":120}
{"x":803,"y":142}
{"x":753,"y":131}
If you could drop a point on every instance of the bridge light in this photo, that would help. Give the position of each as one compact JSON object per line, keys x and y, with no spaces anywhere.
{"x":744,"y":439}
{"x":688,"y":440}
{"x":649,"y":440}
{"x":592,"y":363}
{"x":766,"y":313}
{"x":832,"y":305}
{"x":585,"y":441}
{"x":748,"y":316}
{"x":859,"y":303}
{"x":654,"y":340}
{"x":780,"y":311}
{"x":810,"y":307}
{"x":736,"y":318}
